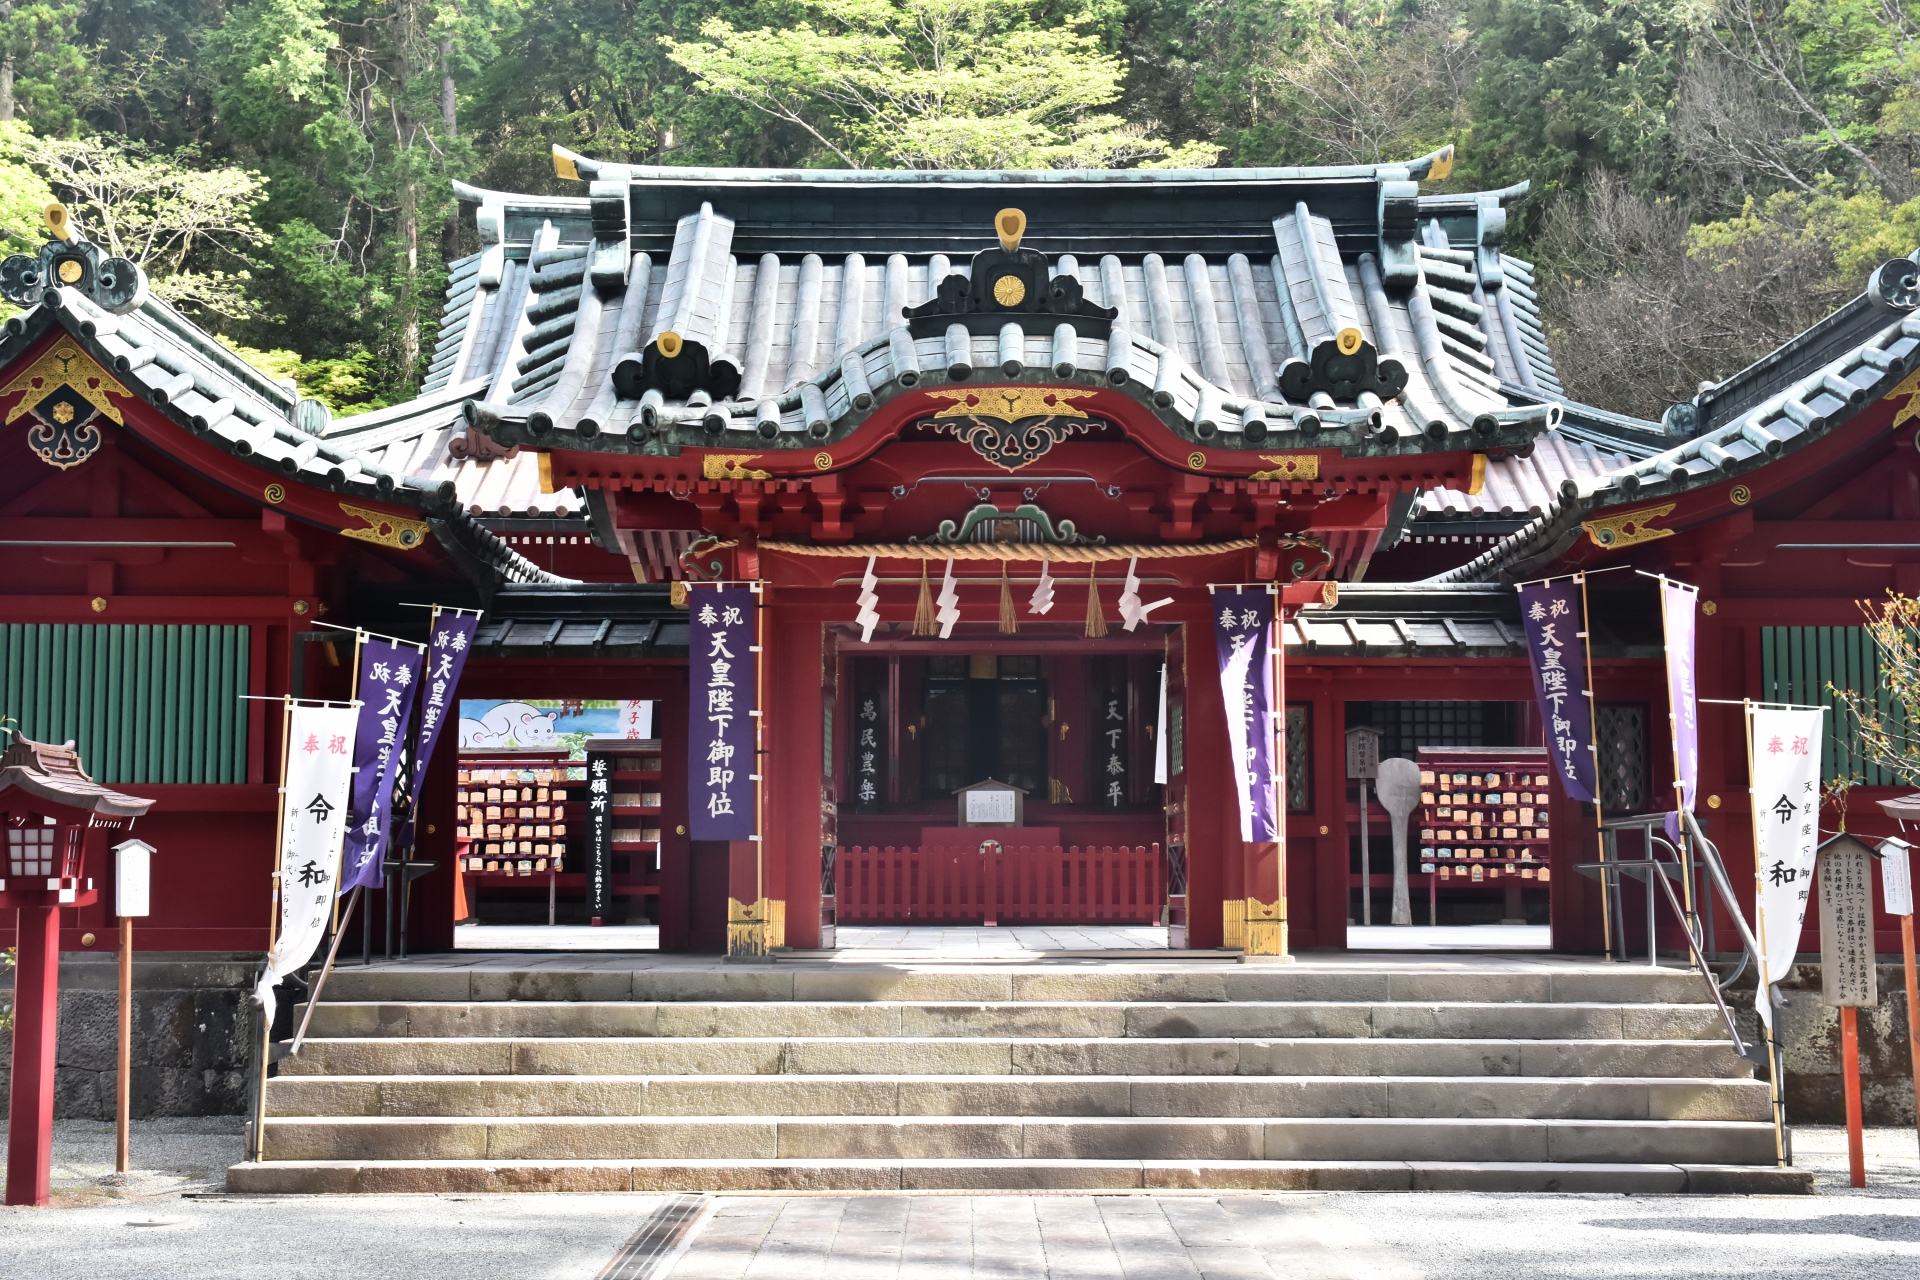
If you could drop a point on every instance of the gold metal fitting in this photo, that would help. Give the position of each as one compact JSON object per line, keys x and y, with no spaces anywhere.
{"x":668,"y":344}
{"x":1348,"y":340}
{"x":58,"y":221}
{"x":1010,"y":224}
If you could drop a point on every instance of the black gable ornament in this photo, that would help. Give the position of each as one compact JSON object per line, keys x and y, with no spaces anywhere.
{"x":111,"y":283}
{"x":1010,"y":283}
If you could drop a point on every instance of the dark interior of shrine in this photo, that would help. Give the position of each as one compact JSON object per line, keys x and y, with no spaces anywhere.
{"x":1073,"y":731}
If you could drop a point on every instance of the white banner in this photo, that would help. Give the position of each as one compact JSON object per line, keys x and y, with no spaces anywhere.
{"x":1786,"y":832}
{"x":313,"y":825}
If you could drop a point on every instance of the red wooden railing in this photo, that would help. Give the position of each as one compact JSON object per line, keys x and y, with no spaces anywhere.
{"x":995,"y":885}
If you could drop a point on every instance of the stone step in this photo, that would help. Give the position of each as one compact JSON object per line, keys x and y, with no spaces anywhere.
{"x":905,"y":1055}
{"x":1019,"y":1138}
{"x":1106,"y":1019}
{"x":1379,"y":1097}
{"x":1164,"y":980}
{"x":493,"y":1176}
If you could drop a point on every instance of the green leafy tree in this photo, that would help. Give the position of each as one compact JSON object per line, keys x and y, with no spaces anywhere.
{"x":947,"y":84}
{"x":42,"y":67}
{"x":190,"y":226}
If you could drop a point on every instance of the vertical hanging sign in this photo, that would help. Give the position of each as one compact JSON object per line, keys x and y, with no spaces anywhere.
{"x":720,"y":737}
{"x":1785,"y":768}
{"x":313,"y":821}
{"x":1556,"y":654}
{"x":867,"y":778}
{"x":1242,"y":632}
{"x":389,"y":674}
{"x":1113,"y":744}
{"x":599,"y":835}
{"x":1678,"y":605}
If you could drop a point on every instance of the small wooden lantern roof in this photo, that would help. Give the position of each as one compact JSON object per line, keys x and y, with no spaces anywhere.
{"x":53,"y":775}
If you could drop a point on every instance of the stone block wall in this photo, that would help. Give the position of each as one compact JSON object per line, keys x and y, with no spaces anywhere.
{"x":195,"y":1033}
{"x":1810,"y":1034}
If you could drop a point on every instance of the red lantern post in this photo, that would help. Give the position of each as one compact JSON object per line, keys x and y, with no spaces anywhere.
{"x":55,"y":818}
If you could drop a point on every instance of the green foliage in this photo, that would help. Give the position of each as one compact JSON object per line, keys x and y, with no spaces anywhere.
{"x":1706,"y":176}
{"x":934,"y":84}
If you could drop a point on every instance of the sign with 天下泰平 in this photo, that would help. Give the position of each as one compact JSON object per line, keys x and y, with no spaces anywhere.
{"x":1556,"y":653}
{"x":313,"y":823}
{"x":389,"y":674}
{"x":1785,"y":769}
{"x":1242,"y":631}
{"x":720,"y":731}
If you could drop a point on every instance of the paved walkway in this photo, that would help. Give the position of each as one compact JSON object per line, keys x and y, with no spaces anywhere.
{"x":147,"y":1229}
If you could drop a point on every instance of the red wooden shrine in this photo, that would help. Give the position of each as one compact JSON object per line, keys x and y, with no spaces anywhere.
{"x":1318,"y":380}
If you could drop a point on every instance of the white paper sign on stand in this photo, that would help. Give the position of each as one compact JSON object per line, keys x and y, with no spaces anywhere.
{"x":1896,"y":877}
{"x":1786,"y":822}
{"x":313,"y":825}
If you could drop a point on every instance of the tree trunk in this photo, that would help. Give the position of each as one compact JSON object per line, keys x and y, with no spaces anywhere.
{"x":6,"y":89}
{"x":448,"y":113}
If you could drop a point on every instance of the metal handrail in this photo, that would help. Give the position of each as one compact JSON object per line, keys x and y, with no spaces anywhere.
{"x":1654,"y":867}
{"x":1726,"y":1015}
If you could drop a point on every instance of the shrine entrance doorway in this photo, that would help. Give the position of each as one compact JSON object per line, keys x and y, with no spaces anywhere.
{"x":1059,"y":732}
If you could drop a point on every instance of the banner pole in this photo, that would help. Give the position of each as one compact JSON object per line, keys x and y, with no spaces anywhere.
{"x":1764,"y":991}
{"x":273,"y":930}
{"x":313,"y":997}
{"x":760,"y":771}
{"x":1593,"y":745}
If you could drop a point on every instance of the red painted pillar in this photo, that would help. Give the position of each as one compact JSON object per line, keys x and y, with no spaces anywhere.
{"x":36,"y":1020}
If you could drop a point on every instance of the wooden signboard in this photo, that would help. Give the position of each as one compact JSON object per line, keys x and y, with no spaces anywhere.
{"x":1846,"y":876}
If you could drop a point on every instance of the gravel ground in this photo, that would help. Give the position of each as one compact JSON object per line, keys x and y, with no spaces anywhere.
{"x":171,"y":1220}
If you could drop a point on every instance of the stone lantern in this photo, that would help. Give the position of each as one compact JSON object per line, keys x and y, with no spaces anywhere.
{"x":57,"y":821}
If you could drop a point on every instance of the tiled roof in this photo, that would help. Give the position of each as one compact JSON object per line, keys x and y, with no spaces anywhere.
{"x":799,"y":315}
{"x":417,"y":439}
{"x":1812,"y":400}
{"x":218,"y":397}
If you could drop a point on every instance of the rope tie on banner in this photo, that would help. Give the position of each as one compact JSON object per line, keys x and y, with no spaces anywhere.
{"x":1009,"y":624}
{"x":1005,"y":551}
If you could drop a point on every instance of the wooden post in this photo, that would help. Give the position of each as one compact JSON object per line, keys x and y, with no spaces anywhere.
{"x":36,"y":1014}
{"x":1850,"y":1074}
{"x":123,"y":1108}
{"x":1913,"y":1014}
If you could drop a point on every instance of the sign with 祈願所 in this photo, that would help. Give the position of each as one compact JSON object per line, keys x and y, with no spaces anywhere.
{"x":313,"y":823}
{"x":720,"y":724}
{"x":389,"y":674}
{"x":1242,"y":631}
{"x":1556,"y":653}
{"x":1785,"y":770}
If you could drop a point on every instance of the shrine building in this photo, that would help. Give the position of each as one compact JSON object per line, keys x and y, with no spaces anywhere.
{"x":992,"y":449}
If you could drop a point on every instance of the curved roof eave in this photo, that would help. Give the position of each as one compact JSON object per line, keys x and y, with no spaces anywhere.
{"x":211,"y":394}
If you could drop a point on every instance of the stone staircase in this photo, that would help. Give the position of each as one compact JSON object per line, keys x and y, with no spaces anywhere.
{"x":1105,"y":1075}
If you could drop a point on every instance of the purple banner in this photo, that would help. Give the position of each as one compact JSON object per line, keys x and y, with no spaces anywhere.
{"x":720,"y":730}
{"x":1243,"y":632}
{"x":451,"y":638}
{"x":389,"y":674}
{"x":1557,"y":656}
{"x":1678,"y":602}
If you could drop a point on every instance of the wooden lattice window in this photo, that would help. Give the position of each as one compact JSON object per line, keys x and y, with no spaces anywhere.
{"x":1623,"y":756}
{"x":1299,"y":757}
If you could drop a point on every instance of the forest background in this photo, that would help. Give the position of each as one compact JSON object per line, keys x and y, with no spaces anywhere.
{"x":1708,"y":176}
